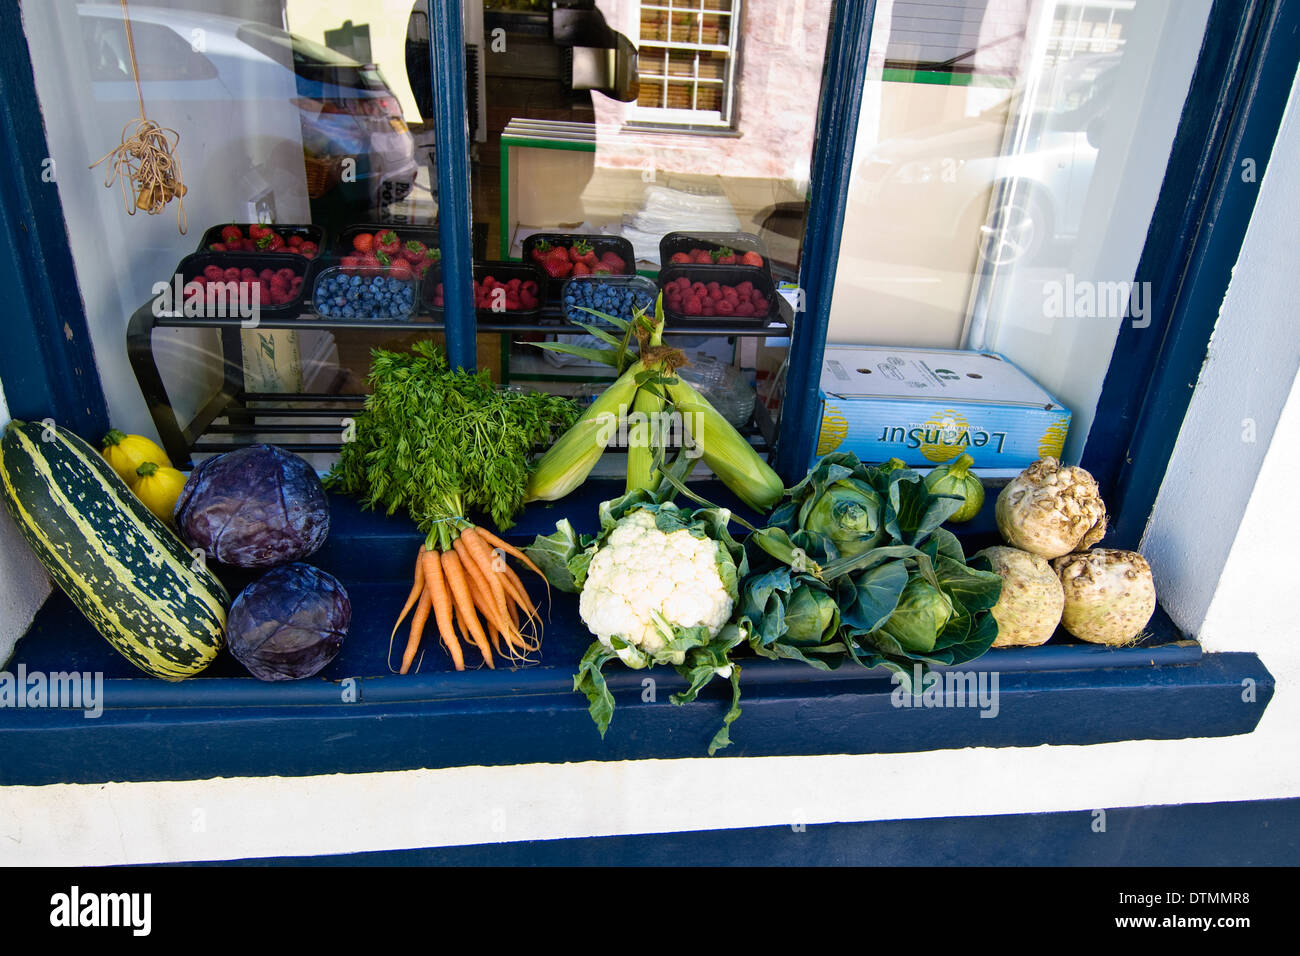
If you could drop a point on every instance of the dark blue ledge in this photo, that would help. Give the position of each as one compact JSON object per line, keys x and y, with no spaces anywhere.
{"x":1248,"y":833}
{"x":225,"y":723}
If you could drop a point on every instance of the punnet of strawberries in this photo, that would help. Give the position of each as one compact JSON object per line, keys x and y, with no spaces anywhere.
{"x":578,"y":259}
{"x":275,"y":286}
{"x":717,"y":257}
{"x":387,"y":253}
{"x":491,"y":295}
{"x":260,"y":238}
{"x":685,"y":297}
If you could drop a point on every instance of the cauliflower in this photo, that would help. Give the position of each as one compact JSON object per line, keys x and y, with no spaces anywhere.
{"x":644,"y":582}
{"x":656,"y":585}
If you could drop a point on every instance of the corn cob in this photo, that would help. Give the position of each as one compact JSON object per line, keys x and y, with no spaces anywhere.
{"x":725,"y":450}
{"x":570,"y":460}
{"x":641,"y":472}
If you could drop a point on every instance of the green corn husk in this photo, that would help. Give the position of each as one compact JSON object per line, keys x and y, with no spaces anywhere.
{"x":570,"y":460}
{"x":649,"y":401}
{"x":641,"y":470}
{"x":725,"y":450}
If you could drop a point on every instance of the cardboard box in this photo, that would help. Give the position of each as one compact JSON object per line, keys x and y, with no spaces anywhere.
{"x":928,"y":406}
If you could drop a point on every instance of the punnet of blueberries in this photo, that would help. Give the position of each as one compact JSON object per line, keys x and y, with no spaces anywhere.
{"x":618,"y":299}
{"x":342,"y":296}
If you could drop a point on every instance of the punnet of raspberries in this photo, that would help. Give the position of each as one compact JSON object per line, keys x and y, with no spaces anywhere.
{"x":274,"y":286}
{"x":685,"y":297}
{"x":578,"y":259}
{"x":260,"y":238}
{"x":490,"y":295}
{"x":716,"y":257}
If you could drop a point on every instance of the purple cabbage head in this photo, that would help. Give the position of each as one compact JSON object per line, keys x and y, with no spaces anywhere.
{"x":289,"y":623}
{"x":254,"y":507}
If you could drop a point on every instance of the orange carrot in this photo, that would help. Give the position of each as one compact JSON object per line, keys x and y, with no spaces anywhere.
{"x":508,"y":548}
{"x":481,"y":556}
{"x":466,"y":638}
{"x":442,"y":606}
{"x":495,"y":637}
{"x":478,"y":586}
{"x":455,"y":575}
{"x":512,"y":607}
{"x":506,"y":648}
{"x":417,"y":629}
{"x":415,"y":591}
{"x":520,"y":593}
{"x":494,"y":615}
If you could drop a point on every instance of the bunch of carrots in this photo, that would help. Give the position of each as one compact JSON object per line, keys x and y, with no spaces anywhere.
{"x":462,"y":574}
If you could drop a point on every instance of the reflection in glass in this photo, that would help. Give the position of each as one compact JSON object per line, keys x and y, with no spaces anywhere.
{"x":1008,"y":159}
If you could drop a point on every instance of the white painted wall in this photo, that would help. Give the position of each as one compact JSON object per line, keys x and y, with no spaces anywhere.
{"x":231,"y":818}
{"x":1229,"y":428}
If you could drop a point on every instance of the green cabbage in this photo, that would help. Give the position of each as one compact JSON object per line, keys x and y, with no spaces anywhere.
{"x":921,"y":614}
{"x":907,"y":597}
{"x":955,"y":478}
{"x":837,"y":506}
{"x":848,"y":514}
{"x":810,"y":615}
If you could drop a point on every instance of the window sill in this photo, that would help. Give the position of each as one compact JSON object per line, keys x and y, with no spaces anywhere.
{"x":351,"y":720}
{"x":720,"y":131}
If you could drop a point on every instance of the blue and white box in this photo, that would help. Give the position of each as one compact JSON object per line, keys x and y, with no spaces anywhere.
{"x":929,"y":406}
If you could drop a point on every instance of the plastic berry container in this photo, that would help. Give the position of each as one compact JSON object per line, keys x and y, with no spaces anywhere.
{"x":307,"y":232}
{"x":738,"y":242}
{"x":615,"y":295}
{"x":500,"y":273}
{"x":600,"y":244}
{"x":342,"y":243}
{"x":358,"y":295}
{"x":725,"y":276}
{"x":192,"y":269}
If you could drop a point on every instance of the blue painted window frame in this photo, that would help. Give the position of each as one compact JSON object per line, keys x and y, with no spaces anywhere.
{"x":47,"y":366}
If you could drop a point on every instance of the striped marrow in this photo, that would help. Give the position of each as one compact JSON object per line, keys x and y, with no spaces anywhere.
{"x":122,"y":567}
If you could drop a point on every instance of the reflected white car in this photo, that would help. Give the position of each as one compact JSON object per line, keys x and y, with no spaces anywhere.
{"x":209,"y":63}
{"x":953,"y":183}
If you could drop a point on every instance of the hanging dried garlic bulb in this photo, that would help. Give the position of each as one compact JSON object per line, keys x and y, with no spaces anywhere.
{"x":145,"y":163}
{"x":147,"y":169}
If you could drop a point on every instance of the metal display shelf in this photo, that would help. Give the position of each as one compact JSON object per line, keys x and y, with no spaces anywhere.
{"x":234,"y":416}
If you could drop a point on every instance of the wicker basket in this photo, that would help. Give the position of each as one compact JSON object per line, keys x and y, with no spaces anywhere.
{"x":322,"y":174}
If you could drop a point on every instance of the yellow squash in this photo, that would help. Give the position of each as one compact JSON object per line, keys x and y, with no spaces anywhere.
{"x":125,"y":453}
{"x":158,"y":487}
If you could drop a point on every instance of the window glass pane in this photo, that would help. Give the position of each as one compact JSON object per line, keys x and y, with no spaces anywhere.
{"x":623,"y":119}
{"x":308,"y":118}
{"x":632,"y":120}
{"x":1008,"y":160}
